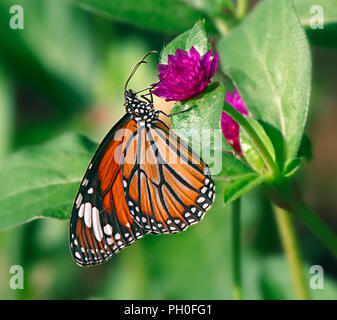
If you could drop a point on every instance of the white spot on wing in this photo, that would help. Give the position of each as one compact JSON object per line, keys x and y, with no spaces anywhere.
{"x":107,"y":229}
{"x":96,"y":224}
{"x":87,"y":214}
{"x":81,"y":211}
{"x":201,"y":199}
{"x":117,"y":236}
{"x":79,"y":200}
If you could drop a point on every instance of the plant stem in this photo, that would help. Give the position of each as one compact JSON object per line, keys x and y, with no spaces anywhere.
{"x":316,"y":225}
{"x":241,"y":8}
{"x":286,"y":196}
{"x":289,"y":241}
{"x":221,"y":26}
{"x":242,"y":121}
{"x":236,"y":248}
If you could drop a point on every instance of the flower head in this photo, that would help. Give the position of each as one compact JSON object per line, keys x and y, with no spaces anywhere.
{"x":186,"y":74}
{"x":230,"y":128}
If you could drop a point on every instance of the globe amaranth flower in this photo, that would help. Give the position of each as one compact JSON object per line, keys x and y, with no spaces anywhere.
{"x":186,"y":74}
{"x":230,"y":129}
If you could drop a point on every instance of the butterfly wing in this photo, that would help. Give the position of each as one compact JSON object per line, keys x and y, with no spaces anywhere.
{"x":140,"y":180}
{"x":101,"y":223}
{"x":167,"y":186}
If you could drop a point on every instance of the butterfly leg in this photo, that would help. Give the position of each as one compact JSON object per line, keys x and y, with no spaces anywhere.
{"x":182,"y":111}
{"x":174,"y":113}
{"x":153,"y":86}
{"x":144,"y":96}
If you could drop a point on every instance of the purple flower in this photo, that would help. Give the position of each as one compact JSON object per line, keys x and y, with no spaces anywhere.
{"x":186,"y":74}
{"x":230,"y":128}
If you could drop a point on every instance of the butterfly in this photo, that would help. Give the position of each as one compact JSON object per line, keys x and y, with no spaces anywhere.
{"x":142,"y":179}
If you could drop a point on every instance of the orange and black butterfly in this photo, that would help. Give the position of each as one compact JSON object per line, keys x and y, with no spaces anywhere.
{"x":142,"y":179}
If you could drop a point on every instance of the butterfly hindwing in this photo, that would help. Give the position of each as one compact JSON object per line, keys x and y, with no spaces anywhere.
{"x":167,"y":186}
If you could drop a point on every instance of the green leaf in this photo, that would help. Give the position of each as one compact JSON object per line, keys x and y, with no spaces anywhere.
{"x":41,"y":181}
{"x":236,"y":178}
{"x":268,"y":58}
{"x":309,"y":10}
{"x":6,"y":112}
{"x":195,"y":37}
{"x":169,"y":16}
{"x":200,"y":125}
{"x":305,"y":149}
{"x":291,"y":167}
{"x":211,"y":7}
{"x":45,"y":55}
{"x":249,"y":150}
{"x":235,"y":187}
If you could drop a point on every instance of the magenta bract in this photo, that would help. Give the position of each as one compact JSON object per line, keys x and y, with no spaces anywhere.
{"x":230,"y":128}
{"x":186,"y":74}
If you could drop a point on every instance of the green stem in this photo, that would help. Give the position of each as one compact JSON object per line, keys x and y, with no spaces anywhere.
{"x":287,"y":196}
{"x":289,"y":241}
{"x":241,"y":8}
{"x":236,"y":248}
{"x":316,"y":225}
{"x":242,"y":121}
{"x":221,"y":26}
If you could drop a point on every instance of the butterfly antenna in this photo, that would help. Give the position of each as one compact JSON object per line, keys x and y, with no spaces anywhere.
{"x":136,"y":67}
{"x":154,"y":85}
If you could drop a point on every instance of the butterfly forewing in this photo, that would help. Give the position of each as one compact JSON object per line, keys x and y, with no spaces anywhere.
{"x":101,"y":224}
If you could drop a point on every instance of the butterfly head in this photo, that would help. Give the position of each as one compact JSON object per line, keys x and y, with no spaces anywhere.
{"x":129,"y":96}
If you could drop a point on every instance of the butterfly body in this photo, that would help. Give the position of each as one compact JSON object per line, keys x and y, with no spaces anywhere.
{"x":140,"y":110}
{"x":142,"y":179}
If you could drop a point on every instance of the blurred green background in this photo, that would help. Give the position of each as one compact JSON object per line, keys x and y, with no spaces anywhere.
{"x":65,"y":72}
